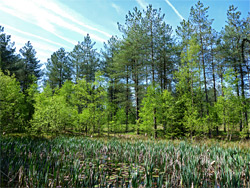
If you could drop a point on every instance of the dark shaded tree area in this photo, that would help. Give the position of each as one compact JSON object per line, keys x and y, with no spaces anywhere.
{"x":148,"y":81}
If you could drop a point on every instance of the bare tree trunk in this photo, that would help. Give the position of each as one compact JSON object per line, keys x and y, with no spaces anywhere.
{"x":214,"y":85}
{"x":205,"y":81}
{"x":127,"y":100}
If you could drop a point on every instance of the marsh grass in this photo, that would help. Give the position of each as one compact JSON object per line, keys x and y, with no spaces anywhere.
{"x":125,"y":162}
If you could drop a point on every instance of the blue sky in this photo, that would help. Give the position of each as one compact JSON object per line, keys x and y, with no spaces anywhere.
{"x":51,"y":24}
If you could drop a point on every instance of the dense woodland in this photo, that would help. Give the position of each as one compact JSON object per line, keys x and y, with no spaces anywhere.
{"x":192,"y":82}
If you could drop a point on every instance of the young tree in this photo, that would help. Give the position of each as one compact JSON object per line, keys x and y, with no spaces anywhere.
{"x":188,"y":85}
{"x":151,"y":110}
{"x":229,"y":106}
{"x":53,"y":113}
{"x":11,"y":104}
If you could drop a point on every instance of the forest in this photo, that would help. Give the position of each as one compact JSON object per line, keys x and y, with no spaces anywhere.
{"x":190,"y":83}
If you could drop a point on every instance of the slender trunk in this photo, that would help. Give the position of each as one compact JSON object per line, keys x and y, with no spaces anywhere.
{"x":214,"y":84}
{"x":222,"y":93}
{"x":242,"y":82}
{"x":127,"y":102}
{"x":200,"y":96}
{"x":155,"y":125}
{"x":153,"y":72}
{"x":152,"y":53}
{"x":205,"y":81}
{"x":237,"y":90}
{"x":60,"y":80}
{"x":164,"y":73}
{"x":137,"y":103}
{"x":161,"y":80}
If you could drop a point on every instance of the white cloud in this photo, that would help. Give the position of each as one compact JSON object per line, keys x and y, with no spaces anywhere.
{"x":32,"y":35}
{"x":48,"y":15}
{"x":65,"y":12}
{"x":43,"y":50}
{"x":174,"y":9}
{"x":142,"y":4}
{"x":117,"y":8}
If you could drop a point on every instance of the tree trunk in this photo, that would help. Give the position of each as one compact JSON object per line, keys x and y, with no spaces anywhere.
{"x":205,"y":81}
{"x":127,"y":103}
{"x":237,"y":90}
{"x":214,"y":85}
{"x":222,"y":93}
{"x":242,"y":82}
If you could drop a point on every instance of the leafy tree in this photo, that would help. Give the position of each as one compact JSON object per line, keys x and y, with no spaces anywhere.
{"x":188,"y":85}
{"x":229,"y":106}
{"x":11,"y":104}
{"x":151,"y":110}
{"x":90,"y":100}
{"x":52,"y":112}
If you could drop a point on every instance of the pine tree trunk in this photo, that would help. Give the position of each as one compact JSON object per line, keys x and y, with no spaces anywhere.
{"x":155,"y":125}
{"x":222,"y":93}
{"x":137,"y":105}
{"x":238,"y":91}
{"x":164,"y":74}
{"x":214,"y":84}
{"x":127,"y":102}
{"x":242,"y":82}
{"x":205,"y":81}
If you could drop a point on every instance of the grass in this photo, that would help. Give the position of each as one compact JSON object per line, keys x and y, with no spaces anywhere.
{"x":125,"y":162}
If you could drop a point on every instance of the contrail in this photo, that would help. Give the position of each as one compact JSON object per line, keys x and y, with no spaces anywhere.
{"x":174,"y":9}
{"x":142,"y":4}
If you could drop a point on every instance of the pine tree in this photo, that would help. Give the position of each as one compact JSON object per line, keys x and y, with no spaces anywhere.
{"x":188,"y":85}
{"x":59,"y":68}
{"x":233,"y":35}
{"x":202,"y":26}
{"x":9,"y":61}
{"x":132,"y":56}
{"x":30,"y":66}
{"x":85,"y":59}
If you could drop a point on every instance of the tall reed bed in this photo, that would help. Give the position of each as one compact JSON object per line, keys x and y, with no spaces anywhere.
{"x":84,"y":162}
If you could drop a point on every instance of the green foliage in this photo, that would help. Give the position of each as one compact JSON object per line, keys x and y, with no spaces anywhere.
{"x":151,"y":81}
{"x":229,"y":106}
{"x":85,"y":60}
{"x":151,"y":110}
{"x":30,"y":67}
{"x":11,"y":104}
{"x":59,"y":68}
{"x":188,"y":86}
{"x":9,"y":61}
{"x":71,"y":107}
{"x":52,"y":112}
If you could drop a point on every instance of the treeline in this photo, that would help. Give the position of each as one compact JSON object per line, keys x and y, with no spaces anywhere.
{"x":149,"y":81}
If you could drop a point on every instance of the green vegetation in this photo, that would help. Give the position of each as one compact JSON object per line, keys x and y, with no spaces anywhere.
{"x":192,"y":84}
{"x":195,"y":84}
{"x":85,"y":162}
